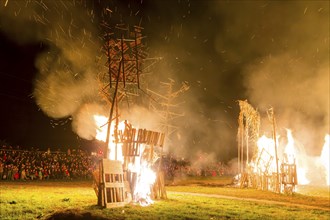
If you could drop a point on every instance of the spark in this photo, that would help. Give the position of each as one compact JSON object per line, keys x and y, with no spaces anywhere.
{"x":305,"y":11}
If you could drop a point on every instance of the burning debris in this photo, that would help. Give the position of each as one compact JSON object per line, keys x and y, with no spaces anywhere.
{"x":261,"y":167}
{"x":126,"y":173}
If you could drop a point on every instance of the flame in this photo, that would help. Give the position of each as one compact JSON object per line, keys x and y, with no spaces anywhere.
{"x":265,"y":143}
{"x":290,"y":149}
{"x":292,"y":156}
{"x":101,"y":132}
{"x":325,"y":157}
{"x":115,"y":150}
{"x":302,"y":176}
{"x":266,"y":151}
{"x":145,"y":179}
{"x":145,"y":176}
{"x":267,"y":160}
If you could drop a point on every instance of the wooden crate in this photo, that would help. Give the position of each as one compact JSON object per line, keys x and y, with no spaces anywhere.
{"x":288,"y":177}
{"x":114,"y":191}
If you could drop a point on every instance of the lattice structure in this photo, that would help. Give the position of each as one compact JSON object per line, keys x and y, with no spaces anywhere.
{"x":133,"y":141}
{"x":125,"y":54}
{"x":288,"y":177}
{"x":114,"y":181}
{"x":115,"y":193}
{"x":125,"y":58}
{"x":264,"y":161}
{"x":248,"y":134}
{"x":262,"y":167}
{"x":165,"y":105}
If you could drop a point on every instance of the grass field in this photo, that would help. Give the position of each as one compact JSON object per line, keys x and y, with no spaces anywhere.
{"x":217,"y":200}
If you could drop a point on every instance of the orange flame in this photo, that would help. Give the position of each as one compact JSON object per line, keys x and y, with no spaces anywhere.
{"x":266,"y":155}
{"x":290,"y":149}
{"x":145,"y":175}
{"x":325,"y":157}
{"x":293,"y":156}
{"x":115,"y":150}
{"x":145,"y":179}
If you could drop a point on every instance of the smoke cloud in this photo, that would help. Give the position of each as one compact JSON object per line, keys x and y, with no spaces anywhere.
{"x":68,"y":67}
{"x":294,"y":78}
{"x":271,"y":53}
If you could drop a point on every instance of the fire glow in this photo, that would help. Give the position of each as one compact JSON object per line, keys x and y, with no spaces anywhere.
{"x":145,"y":176}
{"x":325,"y":157}
{"x":291,"y":155}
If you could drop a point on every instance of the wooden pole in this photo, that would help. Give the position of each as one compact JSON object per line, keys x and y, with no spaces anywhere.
{"x":242,"y":151}
{"x":277,"y":189}
{"x":116,"y":130}
{"x":137,"y":61}
{"x":247,"y":145}
{"x":238,"y":153}
{"x":109,"y":63}
{"x":123,"y":59}
{"x":111,"y":110}
{"x":239,"y":143}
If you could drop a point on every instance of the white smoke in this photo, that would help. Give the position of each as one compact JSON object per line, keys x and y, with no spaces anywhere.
{"x":68,"y":66}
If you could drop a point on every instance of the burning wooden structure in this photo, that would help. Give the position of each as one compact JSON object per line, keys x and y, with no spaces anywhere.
{"x":248,"y":133}
{"x":115,"y":181}
{"x":258,"y":163}
{"x":129,"y":151}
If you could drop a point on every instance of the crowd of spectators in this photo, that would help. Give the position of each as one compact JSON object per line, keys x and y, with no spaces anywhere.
{"x":179,"y":167}
{"x":33,"y":164}
{"x":18,"y":164}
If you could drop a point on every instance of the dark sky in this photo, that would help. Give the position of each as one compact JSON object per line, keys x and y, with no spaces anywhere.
{"x":272,"y":53}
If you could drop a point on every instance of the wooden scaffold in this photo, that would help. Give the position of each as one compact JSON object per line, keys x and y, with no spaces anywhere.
{"x":260,"y":167}
{"x":113,"y":181}
{"x":247,"y":137}
{"x":165,"y":106}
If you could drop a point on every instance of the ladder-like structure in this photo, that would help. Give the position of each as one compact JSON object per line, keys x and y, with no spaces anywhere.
{"x":114,"y":183}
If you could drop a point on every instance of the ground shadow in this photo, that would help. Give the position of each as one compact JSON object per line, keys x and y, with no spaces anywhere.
{"x":73,"y":215}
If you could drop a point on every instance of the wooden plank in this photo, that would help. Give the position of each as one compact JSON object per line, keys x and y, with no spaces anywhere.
{"x":162,"y":138}
{"x":113,"y":183}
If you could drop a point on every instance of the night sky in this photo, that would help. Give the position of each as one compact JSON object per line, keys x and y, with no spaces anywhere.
{"x":272,"y":53}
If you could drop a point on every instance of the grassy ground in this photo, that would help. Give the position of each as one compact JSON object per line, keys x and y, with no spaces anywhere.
{"x":77,"y":200}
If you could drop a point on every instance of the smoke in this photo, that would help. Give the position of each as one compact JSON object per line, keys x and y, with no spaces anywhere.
{"x":268,"y":52}
{"x":17,"y":15}
{"x":271,"y":53}
{"x":68,"y":64}
{"x":61,"y":95}
{"x":84,"y":123}
{"x":294,"y":79}
{"x":70,"y":60}
{"x":141,"y":117}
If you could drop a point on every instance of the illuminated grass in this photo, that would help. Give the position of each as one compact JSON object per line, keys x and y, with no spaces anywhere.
{"x":40,"y":200}
{"x":296,"y":198}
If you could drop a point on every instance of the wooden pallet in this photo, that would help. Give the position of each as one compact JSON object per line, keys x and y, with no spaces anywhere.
{"x":114,"y":191}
